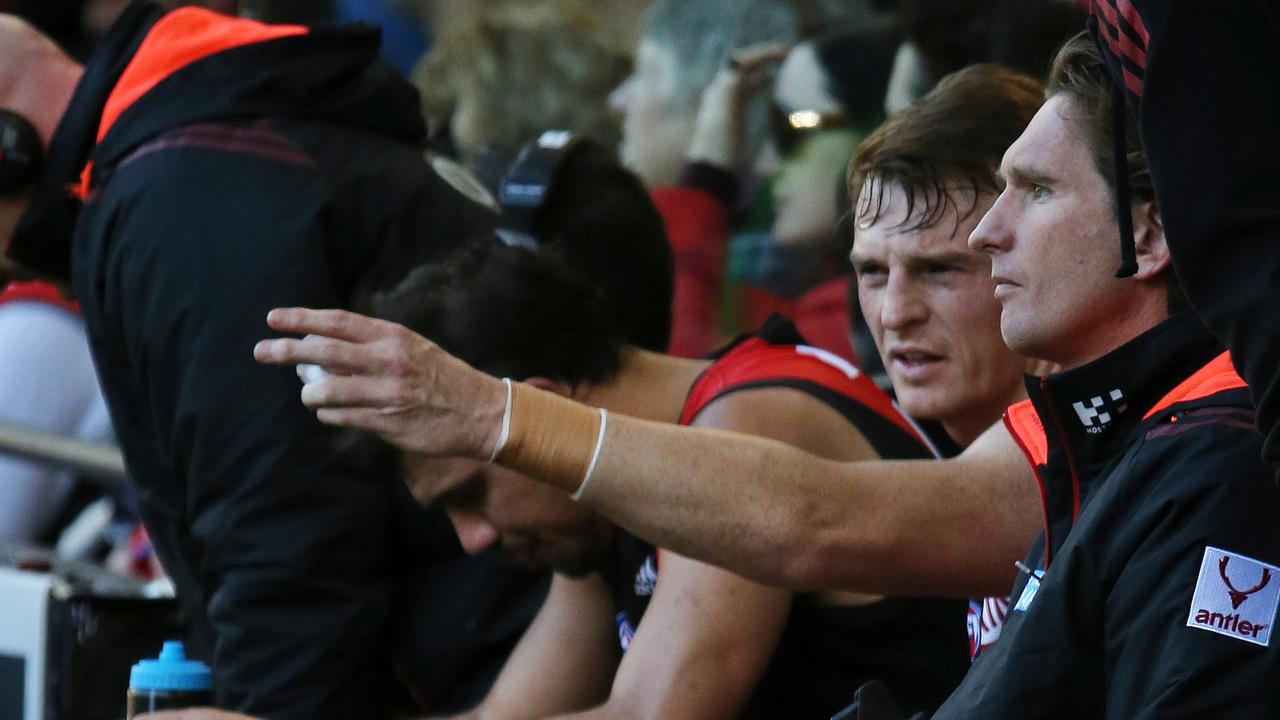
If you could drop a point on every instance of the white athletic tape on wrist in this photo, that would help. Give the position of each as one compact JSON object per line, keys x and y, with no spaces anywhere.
{"x":595,"y":456}
{"x":506,"y":424}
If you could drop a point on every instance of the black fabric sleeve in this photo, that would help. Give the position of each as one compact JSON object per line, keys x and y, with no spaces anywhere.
{"x":1208,"y":117}
{"x":284,"y":535}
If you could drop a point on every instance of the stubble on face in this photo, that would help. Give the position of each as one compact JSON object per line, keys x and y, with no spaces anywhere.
{"x":1053,"y":239}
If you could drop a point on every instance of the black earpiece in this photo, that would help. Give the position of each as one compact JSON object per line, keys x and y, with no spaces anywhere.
{"x":528,"y":182}
{"x":20,"y":152}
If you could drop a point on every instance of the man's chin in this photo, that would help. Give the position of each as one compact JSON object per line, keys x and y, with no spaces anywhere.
{"x":924,"y":404}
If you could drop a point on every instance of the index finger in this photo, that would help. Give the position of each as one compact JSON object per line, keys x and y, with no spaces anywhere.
{"x":340,"y":324}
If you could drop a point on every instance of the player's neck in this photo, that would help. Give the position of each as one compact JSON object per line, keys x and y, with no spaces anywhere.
{"x":648,"y":385}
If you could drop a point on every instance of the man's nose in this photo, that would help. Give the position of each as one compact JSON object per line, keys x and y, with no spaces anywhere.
{"x":902,"y":306}
{"x":992,"y":235}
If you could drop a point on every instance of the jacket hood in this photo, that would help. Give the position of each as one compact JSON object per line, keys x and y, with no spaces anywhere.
{"x":328,"y":74}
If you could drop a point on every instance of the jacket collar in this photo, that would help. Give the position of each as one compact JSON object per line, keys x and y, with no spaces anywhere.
{"x":1074,"y":424}
{"x":1094,"y":409}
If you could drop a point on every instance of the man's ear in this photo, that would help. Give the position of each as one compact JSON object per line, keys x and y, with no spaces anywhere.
{"x":558,"y":387}
{"x":1148,"y":237}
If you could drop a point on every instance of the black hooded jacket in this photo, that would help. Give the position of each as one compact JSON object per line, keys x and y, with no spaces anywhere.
{"x":1202,"y":78}
{"x":223,"y":168}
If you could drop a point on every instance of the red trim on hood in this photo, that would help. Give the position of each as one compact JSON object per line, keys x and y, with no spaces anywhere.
{"x":1220,"y":374}
{"x":178,"y":39}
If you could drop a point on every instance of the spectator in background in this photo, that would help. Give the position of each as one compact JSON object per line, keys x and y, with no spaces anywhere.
{"x":943,"y":36}
{"x":683,"y":46}
{"x":501,"y":72}
{"x":827,"y":96}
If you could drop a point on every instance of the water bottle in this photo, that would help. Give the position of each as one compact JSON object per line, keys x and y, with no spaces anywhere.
{"x":169,"y":682}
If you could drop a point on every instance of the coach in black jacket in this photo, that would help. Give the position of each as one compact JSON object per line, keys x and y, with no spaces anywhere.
{"x":224,"y":167}
{"x":1152,"y":591}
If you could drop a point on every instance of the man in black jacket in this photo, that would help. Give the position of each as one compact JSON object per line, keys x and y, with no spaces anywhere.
{"x":223,"y":167}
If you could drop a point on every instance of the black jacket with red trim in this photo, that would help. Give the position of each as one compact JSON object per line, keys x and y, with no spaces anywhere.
{"x":915,"y":646}
{"x":1202,"y":76}
{"x":228,"y":167}
{"x":1149,"y":465}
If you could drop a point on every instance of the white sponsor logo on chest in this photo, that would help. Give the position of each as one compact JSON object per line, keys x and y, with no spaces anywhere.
{"x":1097,"y":412}
{"x":1235,"y":596}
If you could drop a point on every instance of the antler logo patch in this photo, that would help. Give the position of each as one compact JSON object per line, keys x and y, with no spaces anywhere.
{"x":1239,"y":596}
{"x":1227,"y":580}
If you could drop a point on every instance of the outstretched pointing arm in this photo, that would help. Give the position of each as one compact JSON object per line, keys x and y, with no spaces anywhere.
{"x":789,"y":518}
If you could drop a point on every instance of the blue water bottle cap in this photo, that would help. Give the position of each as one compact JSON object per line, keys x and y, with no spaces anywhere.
{"x":171,"y":671}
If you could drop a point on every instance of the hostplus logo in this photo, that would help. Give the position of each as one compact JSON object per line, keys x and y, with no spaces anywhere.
{"x":1097,"y":412}
{"x":1235,"y":596}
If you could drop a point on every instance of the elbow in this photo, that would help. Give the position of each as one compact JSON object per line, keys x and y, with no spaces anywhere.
{"x":829,"y":550}
{"x":814,"y":553}
{"x":819,"y":564}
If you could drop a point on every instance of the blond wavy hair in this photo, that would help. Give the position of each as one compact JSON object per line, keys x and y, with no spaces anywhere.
{"x":501,"y":71}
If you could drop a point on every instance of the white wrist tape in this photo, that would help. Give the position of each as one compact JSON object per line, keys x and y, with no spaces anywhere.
{"x":595,"y":456}
{"x":505,"y":432}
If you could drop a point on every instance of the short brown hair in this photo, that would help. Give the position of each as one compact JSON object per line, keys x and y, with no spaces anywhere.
{"x":951,"y":139}
{"x":1079,"y":72}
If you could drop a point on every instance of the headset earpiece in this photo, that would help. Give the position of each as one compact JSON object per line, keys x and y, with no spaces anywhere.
{"x":20,"y":152}
{"x":527,"y":184}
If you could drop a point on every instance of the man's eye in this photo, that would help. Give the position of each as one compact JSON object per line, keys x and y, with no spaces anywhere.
{"x":1040,"y":192}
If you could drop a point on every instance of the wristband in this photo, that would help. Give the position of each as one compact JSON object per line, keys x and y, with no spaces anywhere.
{"x":505,"y":432}
{"x":551,"y":438}
{"x":595,"y":456}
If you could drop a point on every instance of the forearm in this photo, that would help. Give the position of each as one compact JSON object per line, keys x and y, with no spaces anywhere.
{"x":566,"y":659}
{"x":792,"y":519}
